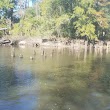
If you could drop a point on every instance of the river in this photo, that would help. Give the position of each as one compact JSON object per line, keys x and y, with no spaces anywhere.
{"x":62,"y":79}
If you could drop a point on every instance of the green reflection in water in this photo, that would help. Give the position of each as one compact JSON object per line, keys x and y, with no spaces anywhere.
{"x":67,"y":80}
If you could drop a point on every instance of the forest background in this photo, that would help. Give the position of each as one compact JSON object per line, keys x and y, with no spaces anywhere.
{"x":88,"y":19}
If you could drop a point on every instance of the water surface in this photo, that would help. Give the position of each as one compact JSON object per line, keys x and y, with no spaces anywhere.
{"x":68,"y":79}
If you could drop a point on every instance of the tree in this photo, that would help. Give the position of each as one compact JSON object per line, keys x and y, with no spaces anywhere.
{"x":88,"y":19}
{"x":70,"y":18}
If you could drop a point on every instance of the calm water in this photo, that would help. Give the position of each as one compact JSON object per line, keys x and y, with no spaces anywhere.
{"x":68,"y":80}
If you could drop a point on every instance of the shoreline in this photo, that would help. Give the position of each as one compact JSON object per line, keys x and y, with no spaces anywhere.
{"x":53,"y":42}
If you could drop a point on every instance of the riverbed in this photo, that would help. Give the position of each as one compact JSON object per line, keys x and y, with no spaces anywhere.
{"x":60,"y":79}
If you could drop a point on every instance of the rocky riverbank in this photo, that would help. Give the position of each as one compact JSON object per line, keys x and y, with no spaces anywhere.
{"x":32,"y":41}
{"x":54,"y":42}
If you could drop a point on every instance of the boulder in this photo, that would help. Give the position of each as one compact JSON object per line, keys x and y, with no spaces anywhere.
{"x":5,"y":41}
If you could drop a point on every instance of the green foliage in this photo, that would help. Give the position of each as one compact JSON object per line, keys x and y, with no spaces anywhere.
{"x":32,"y":25}
{"x":6,"y":4}
{"x":30,"y":12}
{"x":6,"y":13}
{"x":88,"y":19}
{"x":62,"y":24}
{"x":84,"y":14}
{"x":70,"y":18}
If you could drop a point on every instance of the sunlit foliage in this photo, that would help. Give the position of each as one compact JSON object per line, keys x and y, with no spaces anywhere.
{"x":70,"y":18}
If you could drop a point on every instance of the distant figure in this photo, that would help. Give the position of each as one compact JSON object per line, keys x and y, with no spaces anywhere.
{"x":20,"y":56}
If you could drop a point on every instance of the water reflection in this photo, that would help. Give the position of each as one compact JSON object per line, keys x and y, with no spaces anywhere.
{"x":66,"y":79}
{"x":18,"y":86}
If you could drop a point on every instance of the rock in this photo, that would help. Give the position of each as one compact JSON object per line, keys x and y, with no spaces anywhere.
{"x":44,"y":40}
{"x":22,"y":43}
{"x":36,"y":44}
{"x":14,"y":42}
{"x":5,"y":41}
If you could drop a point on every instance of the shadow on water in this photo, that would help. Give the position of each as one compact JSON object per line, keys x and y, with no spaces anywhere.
{"x":67,"y":80}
